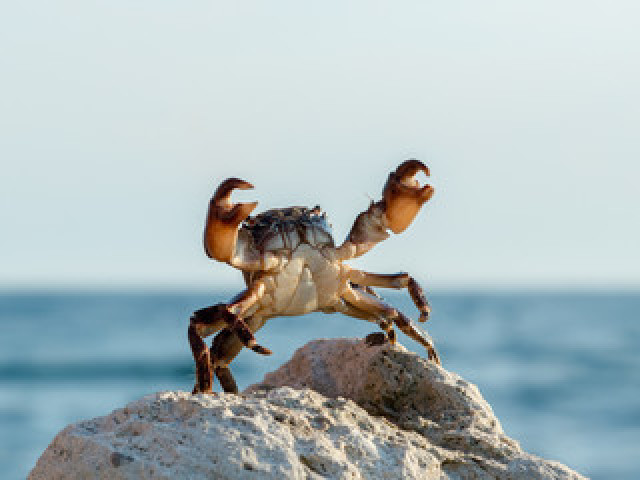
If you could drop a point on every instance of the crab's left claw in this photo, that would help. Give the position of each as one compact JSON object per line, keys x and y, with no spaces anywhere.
{"x":223,"y":218}
{"x":403,"y":196}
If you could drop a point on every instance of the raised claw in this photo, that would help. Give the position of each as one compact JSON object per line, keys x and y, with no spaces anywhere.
{"x":223,"y":218}
{"x":403,"y":196}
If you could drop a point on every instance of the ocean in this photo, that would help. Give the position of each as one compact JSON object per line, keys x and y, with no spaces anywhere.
{"x":561,"y":370}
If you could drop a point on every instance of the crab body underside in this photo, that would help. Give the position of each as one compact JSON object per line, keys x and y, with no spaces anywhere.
{"x":291,"y":266}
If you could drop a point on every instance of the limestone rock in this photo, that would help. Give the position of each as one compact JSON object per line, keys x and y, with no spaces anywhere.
{"x":415,"y":395}
{"x":337,"y":409}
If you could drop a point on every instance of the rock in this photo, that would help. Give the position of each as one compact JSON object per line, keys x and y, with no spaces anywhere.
{"x":337,"y":409}
{"x":411,"y":392}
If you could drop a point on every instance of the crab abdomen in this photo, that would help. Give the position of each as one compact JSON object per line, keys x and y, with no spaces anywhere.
{"x":308,"y":281}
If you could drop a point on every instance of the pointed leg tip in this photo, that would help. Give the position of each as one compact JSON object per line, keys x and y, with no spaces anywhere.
{"x":261,"y":350}
{"x":207,"y":391}
{"x":391,"y":334}
{"x":433,"y":357}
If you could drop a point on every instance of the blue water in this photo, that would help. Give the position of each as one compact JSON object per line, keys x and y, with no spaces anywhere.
{"x":562,"y":371}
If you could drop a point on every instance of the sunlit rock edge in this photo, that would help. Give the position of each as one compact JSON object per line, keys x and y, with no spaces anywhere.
{"x":337,"y":409}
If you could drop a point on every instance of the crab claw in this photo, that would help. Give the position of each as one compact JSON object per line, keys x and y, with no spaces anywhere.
{"x":403,"y":196}
{"x":223,"y":218}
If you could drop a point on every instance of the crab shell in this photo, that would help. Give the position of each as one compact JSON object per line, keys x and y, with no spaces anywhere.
{"x":284,"y":229}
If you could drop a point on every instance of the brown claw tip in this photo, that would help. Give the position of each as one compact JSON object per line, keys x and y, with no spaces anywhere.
{"x":402,"y":181}
{"x":426,"y":192}
{"x":238,"y":213}
{"x":224,"y":190}
{"x":410,"y":167}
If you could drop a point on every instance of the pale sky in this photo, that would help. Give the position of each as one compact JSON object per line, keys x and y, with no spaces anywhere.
{"x":118,"y":119}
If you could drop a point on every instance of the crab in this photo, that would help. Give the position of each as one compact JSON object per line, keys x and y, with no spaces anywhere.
{"x":291,"y":266}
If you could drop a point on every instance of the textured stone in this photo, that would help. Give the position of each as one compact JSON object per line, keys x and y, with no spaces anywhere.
{"x":337,"y":409}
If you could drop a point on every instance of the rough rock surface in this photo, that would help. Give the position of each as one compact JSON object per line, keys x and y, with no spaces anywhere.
{"x":337,"y":409}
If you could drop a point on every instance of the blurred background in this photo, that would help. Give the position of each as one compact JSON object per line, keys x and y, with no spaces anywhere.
{"x":118,"y":120}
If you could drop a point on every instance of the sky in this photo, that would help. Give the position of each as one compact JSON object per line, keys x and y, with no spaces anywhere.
{"x":118,"y":120}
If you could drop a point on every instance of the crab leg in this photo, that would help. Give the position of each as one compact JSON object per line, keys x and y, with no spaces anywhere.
{"x":225,"y":347}
{"x":208,"y":321}
{"x":377,"y":338}
{"x":402,"y":198}
{"x":363,"y":300}
{"x":202,"y":357}
{"x":395,"y":280}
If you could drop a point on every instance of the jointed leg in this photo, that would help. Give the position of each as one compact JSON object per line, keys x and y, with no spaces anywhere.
{"x":202,"y":357}
{"x":208,"y":321}
{"x":377,"y":338}
{"x":224,"y":348}
{"x":395,"y":280}
{"x":205,"y":322}
{"x":222,"y":371}
{"x":363,"y":301}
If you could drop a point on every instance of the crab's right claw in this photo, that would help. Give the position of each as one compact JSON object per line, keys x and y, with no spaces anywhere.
{"x":403,"y":196}
{"x":223,"y":218}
